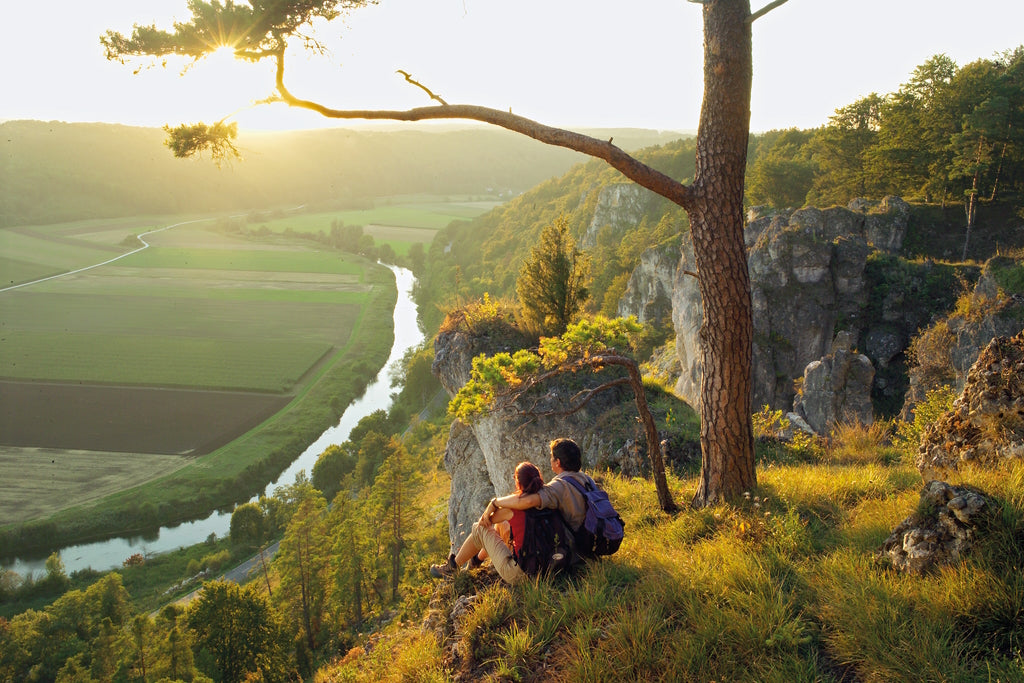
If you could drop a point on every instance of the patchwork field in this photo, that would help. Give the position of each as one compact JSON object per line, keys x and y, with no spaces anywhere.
{"x":157,"y":358}
{"x":399,"y":222}
{"x":34,"y":482}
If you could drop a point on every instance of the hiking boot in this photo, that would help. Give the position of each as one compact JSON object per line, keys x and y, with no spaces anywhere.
{"x":475,"y":562}
{"x":442,"y":571}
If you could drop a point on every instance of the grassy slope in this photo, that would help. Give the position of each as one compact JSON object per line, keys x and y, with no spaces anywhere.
{"x":780,"y":587}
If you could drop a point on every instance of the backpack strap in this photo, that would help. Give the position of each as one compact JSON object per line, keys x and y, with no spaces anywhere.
{"x":590,"y":486}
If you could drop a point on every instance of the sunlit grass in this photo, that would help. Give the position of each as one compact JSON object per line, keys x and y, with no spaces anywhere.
{"x":782,"y":585}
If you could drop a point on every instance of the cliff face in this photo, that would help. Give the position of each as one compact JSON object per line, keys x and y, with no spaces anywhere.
{"x":481,"y":457}
{"x":619,"y":206}
{"x":648,"y":295}
{"x":807,"y":275}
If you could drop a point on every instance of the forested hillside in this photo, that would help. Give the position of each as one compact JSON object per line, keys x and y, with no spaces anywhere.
{"x":54,"y":171}
{"x":484,"y":255}
{"x":951,"y":136}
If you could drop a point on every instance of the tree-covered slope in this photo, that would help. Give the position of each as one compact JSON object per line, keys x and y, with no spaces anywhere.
{"x":485,"y":255}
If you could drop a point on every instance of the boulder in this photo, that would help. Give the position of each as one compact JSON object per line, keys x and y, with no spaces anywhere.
{"x":941,"y":533}
{"x":986,"y":423}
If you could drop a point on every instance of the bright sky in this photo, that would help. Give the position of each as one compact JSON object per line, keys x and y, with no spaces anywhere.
{"x":634,"y":63}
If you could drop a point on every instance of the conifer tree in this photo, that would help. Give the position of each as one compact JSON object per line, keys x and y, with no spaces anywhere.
{"x":551,"y":282}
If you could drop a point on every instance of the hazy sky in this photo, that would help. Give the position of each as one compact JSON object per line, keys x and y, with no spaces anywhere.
{"x":564,"y":62}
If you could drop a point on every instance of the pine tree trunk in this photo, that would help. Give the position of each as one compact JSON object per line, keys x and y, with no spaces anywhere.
{"x":716,"y":228}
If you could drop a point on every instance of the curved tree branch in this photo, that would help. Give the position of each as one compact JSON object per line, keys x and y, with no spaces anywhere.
{"x":635,"y":170}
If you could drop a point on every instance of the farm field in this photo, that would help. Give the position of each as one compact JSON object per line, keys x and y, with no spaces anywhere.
{"x":399,"y":221}
{"x":35,"y":482}
{"x":170,"y":353}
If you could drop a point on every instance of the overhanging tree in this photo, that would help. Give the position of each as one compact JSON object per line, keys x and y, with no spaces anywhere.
{"x":714,"y":200}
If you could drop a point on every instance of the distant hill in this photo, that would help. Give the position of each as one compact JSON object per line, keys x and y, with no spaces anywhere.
{"x":55,"y":171}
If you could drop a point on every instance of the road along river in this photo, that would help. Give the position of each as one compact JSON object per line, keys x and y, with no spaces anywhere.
{"x":109,"y":554}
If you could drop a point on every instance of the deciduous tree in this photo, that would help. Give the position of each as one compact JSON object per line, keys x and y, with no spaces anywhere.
{"x":714,"y":200}
{"x":239,"y":630}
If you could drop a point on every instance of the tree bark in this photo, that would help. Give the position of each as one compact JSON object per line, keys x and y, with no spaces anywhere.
{"x":716,"y":228}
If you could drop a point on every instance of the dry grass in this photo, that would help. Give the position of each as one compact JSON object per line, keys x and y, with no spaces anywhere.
{"x":779,"y":586}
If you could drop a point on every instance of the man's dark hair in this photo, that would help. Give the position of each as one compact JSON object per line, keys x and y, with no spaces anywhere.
{"x":567,"y":453}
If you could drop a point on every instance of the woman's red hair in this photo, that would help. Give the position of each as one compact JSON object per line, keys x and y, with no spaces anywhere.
{"x":528,"y":479}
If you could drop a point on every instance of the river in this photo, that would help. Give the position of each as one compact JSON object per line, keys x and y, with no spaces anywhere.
{"x":109,"y":554}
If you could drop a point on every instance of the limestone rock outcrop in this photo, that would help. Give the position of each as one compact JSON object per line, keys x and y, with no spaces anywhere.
{"x":648,"y":295}
{"x":481,"y":457}
{"x":836,"y":390}
{"x":620,"y":206}
{"x":807,"y":273}
{"x":986,"y":424}
{"x":941,"y":533}
{"x":952,"y":345}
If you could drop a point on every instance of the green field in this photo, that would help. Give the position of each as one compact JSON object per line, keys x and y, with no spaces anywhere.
{"x":198,"y":311}
{"x":263,"y":260}
{"x":421,"y":212}
{"x":399,"y":221}
{"x":28,"y":253}
{"x":207,"y":363}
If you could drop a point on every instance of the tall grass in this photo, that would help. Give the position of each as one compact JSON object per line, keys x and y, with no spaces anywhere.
{"x":781,"y":585}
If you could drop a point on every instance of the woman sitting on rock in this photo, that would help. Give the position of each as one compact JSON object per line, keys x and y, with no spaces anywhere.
{"x":499,"y":529}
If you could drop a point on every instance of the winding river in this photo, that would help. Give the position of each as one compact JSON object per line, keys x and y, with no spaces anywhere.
{"x":109,"y":554}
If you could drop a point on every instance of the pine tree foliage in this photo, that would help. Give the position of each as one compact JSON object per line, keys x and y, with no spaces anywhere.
{"x":551,"y":284}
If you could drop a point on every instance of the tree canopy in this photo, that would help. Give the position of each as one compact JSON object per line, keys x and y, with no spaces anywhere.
{"x":552,"y":280}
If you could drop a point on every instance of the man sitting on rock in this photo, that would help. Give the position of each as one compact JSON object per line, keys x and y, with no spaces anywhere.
{"x":557,"y":494}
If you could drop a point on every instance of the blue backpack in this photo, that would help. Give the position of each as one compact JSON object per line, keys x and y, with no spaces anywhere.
{"x":602,"y":529}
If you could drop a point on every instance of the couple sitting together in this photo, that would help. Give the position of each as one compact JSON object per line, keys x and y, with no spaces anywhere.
{"x":486,"y":539}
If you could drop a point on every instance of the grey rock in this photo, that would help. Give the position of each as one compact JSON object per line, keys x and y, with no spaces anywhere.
{"x":836,"y":390}
{"x":471,"y":486}
{"x":984,"y":426}
{"x":807,"y":272}
{"x":648,"y":295}
{"x":884,"y":344}
{"x":941,"y":536}
{"x":481,"y":456}
{"x":621,"y":206}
